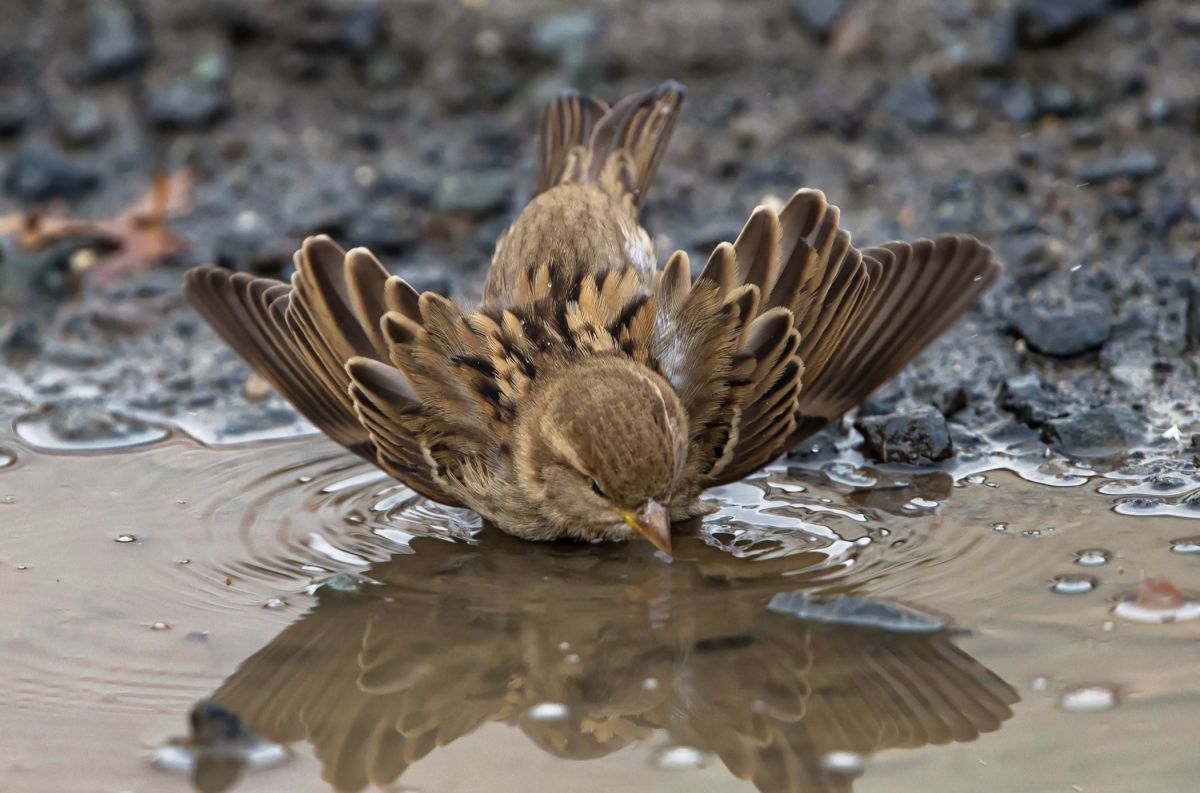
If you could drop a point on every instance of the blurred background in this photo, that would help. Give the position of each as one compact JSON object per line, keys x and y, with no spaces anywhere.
{"x":141,"y":136}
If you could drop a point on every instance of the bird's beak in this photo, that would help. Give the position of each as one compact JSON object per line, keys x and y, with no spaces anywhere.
{"x":652,"y":522}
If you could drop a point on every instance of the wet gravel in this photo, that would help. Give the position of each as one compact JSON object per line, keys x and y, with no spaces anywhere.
{"x":1063,"y":134}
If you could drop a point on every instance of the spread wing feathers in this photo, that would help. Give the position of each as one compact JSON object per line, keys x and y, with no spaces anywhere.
{"x":567,"y":125}
{"x":841,"y":319}
{"x":249,"y":314}
{"x":918,"y":290}
{"x":627,"y":143}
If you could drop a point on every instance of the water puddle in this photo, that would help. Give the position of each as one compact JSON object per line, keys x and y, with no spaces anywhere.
{"x":281,"y":617}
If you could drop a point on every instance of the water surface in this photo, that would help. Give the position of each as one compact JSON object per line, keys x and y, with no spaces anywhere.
{"x":280,"y":617}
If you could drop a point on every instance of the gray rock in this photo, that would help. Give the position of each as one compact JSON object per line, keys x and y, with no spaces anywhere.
{"x":187,"y":103}
{"x":1019,"y":103}
{"x":364,"y":28}
{"x":557,"y":35}
{"x":1065,"y":330}
{"x":81,"y":124}
{"x":35,"y":175}
{"x":819,"y":17}
{"x":1192,"y":315}
{"x":1042,"y":23}
{"x":479,"y":192}
{"x":1103,"y":430}
{"x":1056,"y":99}
{"x":118,"y":41}
{"x":958,"y":203}
{"x":915,"y":101}
{"x":915,"y":436}
{"x":1031,"y":399}
{"x":1134,"y":165}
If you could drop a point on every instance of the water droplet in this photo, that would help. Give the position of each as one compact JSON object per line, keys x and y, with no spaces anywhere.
{"x":8,"y":500}
{"x":572,"y":659}
{"x":1089,"y":698}
{"x":304,"y":480}
{"x":1039,"y":683}
{"x":548,"y":711}
{"x":1072,"y":584}
{"x":1186,"y":545}
{"x":1092,"y":557}
{"x":679,"y":758}
{"x":125,"y":538}
{"x":185,"y":561}
{"x":976,"y":479}
{"x":564,"y":646}
{"x":650,"y":684}
{"x":842,"y":762}
{"x":160,"y":626}
{"x":22,"y":567}
{"x":1000,"y":527}
{"x":275,"y":603}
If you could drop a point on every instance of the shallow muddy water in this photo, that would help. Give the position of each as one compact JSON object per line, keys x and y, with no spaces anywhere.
{"x":831,"y":628}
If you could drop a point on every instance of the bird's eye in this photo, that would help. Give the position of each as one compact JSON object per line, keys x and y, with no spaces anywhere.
{"x":597,"y":489}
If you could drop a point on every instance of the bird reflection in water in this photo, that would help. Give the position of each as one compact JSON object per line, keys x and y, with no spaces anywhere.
{"x":723,"y":654}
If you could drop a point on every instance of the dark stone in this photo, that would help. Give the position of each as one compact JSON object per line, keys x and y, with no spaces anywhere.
{"x":81,"y":124}
{"x":118,"y":42}
{"x":35,"y":176}
{"x":914,"y":101}
{"x":917,"y":436}
{"x":1056,"y":99}
{"x":1135,"y":165}
{"x":385,"y":228}
{"x":821,"y":446}
{"x":1065,"y":330}
{"x":819,"y":17}
{"x":212,"y":723}
{"x":364,"y":28}
{"x":187,"y":103}
{"x":14,"y":112}
{"x":251,"y":250}
{"x":1042,"y":23}
{"x":1087,"y":134}
{"x":1192,"y":315}
{"x":22,"y":340}
{"x":1158,"y":111}
{"x":1031,"y":399}
{"x":999,"y":50}
{"x":1099,"y":431}
{"x":1019,"y":103}
{"x":478,"y":192}
{"x":958,"y":203}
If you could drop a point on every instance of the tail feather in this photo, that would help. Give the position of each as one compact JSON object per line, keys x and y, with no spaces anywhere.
{"x":582,"y":140}
{"x":567,"y":125}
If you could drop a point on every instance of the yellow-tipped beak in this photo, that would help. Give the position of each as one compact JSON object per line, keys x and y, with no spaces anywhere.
{"x":652,"y":522}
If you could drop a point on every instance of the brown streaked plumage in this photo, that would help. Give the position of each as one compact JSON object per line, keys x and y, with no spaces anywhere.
{"x":591,"y":395}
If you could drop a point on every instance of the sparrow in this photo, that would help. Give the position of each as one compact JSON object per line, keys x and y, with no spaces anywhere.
{"x":591,"y":395}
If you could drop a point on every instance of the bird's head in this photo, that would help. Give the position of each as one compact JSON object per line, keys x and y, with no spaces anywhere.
{"x":601,"y":450}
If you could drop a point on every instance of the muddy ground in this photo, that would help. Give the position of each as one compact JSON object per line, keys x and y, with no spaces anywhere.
{"x":1063,"y":134}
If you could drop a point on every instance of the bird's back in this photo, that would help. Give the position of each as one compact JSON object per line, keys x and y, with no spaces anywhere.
{"x":596,"y":165}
